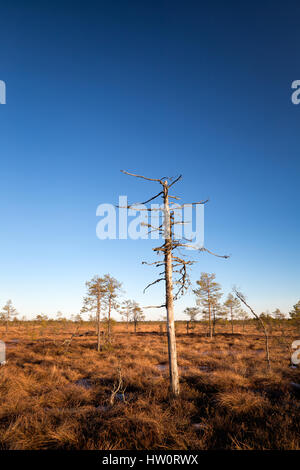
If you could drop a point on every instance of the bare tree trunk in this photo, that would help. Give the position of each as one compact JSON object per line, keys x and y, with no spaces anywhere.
{"x":173,"y":368}
{"x":167,"y":250}
{"x":187,"y":327}
{"x":231,"y":316}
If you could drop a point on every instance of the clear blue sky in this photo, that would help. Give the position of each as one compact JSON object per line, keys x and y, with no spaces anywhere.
{"x":156,"y":87}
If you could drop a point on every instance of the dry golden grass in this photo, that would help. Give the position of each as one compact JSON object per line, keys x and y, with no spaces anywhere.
{"x":54,"y":398}
{"x":242,"y":402}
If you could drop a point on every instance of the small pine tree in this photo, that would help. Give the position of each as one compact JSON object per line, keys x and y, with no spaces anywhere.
{"x":112,"y":291}
{"x":295,"y":312}
{"x":125,"y":311}
{"x":8,"y":313}
{"x":192,"y":313}
{"x":208,"y":293}
{"x":136,"y":314}
{"x":96,"y":289}
{"x":232,"y":304}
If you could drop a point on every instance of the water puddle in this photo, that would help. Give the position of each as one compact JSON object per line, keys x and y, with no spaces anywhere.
{"x":11,"y":342}
{"x":102,"y":408}
{"x":198,"y":426}
{"x":257,"y":351}
{"x":72,"y":411}
{"x":295,"y":386}
{"x":162,"y":367}
{"x":205,"y":368}
{"x":120,"y":397}
{"x":85,"y":383}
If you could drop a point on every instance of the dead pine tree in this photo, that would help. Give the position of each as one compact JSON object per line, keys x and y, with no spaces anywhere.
{"x":241,"y":297}
{"x":172,"y":262}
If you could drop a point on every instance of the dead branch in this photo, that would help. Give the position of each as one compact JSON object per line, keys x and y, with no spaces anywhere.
{"x":67,"y":342}
{"x":186,"y":245}
{"x":118,"y":387}
{"x":175,"y":181}
{"x":156,"y":264}
{"x":154,"y":282}
{"x":156,"y":306}
{"x":148,"y":200}
{"x":190,"y":204}
{"x":214,"y":254}
{"x":140,"y":176}
{"x":132,"y":206}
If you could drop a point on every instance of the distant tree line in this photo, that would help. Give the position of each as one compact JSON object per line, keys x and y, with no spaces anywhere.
{"x":103,"y":297}
{"x":211,"y":310}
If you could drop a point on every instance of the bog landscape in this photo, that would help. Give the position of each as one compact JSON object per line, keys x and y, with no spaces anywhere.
{"x":149,"y":232}
{"x":226,"y":378}
{"x":60,"y":389}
